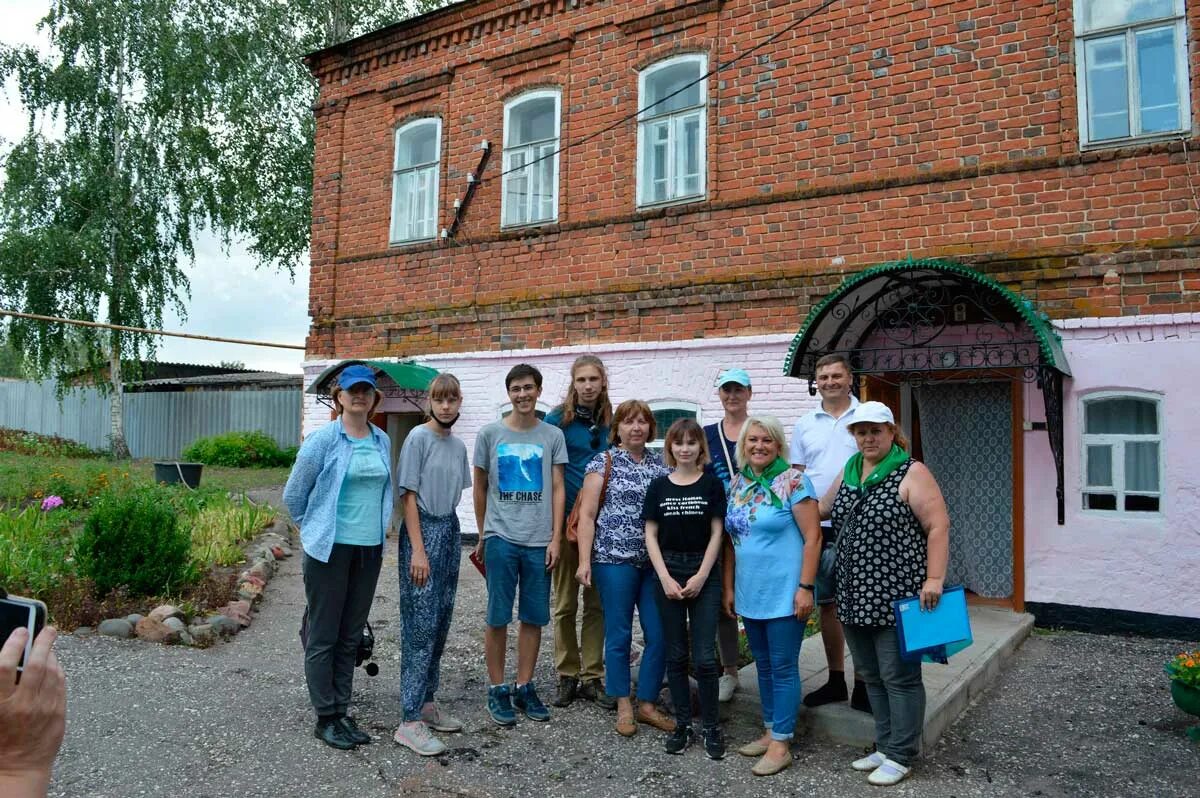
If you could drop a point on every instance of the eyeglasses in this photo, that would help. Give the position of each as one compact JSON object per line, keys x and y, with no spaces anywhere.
{"x":594,"y":431}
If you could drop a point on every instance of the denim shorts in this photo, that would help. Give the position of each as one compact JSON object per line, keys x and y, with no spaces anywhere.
{"x":509,"y":566}
{"x":826,"y":584}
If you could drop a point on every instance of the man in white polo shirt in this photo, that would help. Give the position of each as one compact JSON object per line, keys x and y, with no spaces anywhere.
{"x":821,"y":445}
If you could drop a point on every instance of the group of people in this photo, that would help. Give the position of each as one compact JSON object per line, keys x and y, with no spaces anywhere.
{"x":719,"y":525}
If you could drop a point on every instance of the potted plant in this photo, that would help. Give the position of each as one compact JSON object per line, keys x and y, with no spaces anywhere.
{"x":1184,"y":671}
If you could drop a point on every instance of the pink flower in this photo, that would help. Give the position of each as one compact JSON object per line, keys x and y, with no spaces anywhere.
{"x":50,"y":502}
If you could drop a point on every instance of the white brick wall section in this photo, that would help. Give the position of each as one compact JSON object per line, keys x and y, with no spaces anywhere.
{"x":682,"y":371}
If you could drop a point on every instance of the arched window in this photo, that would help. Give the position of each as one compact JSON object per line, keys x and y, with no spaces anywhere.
{"x":531,"y":135}
{"x":673,"y":98}
{"x":1122,"y":453}
{"x":415,"y":181}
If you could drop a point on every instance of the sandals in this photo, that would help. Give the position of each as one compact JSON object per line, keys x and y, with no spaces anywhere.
{"x":655,"y":718}
{"x":626,"y":726}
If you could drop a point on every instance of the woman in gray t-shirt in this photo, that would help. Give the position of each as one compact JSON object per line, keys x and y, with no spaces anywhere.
{"x":433,"y":473}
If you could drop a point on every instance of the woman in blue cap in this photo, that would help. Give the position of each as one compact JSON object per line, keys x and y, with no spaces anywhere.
{"x":340,"y":495}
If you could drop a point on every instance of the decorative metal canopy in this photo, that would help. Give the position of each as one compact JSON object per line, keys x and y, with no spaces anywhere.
{"x":925,"y":320}
{"x":399,"y":379}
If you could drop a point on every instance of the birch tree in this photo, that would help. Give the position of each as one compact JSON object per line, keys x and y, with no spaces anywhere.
{"x":148,"y":122}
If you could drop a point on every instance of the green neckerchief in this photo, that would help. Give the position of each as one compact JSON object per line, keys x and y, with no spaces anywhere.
{"x":764,"y":479}
{"x":852,"y":476}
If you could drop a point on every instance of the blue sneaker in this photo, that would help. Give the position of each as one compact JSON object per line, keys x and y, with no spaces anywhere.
{"x":525,"y":698}
{"x":500,"y":705}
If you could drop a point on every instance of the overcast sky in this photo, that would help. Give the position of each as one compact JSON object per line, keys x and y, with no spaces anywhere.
{"x":229,"y":297}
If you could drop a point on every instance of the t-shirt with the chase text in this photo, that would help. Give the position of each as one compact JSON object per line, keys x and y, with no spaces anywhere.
{"x":684,"y":513}
{"x":520,"y":467}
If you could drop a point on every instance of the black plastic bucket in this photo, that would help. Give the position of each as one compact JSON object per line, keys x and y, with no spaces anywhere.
{"x":174,"y":473}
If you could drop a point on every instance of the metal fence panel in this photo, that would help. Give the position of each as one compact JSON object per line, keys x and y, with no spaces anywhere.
{"x":158,"y":425}
{"x":162,"y":425}
{"x":83,"y":414}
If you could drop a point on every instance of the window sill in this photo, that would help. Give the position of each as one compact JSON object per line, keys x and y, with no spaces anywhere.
{"x":1135,"y":141}
{"x":527,"y":226}
{"x":1119,"y":515}
{"x":653,"y":206}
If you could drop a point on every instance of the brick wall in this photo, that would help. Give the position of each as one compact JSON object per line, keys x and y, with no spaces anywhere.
{"x":872,"y":132}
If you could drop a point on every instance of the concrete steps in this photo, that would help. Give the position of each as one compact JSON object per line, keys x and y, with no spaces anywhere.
{"x":949,"y":688}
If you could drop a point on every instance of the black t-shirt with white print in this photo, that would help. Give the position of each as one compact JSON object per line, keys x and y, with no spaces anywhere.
{"x":684,"y":513}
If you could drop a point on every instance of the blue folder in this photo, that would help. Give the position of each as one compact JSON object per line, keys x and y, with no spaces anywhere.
{"x":936,"y":634}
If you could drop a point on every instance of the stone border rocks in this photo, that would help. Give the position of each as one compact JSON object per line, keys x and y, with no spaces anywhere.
{"x":168,"y":624}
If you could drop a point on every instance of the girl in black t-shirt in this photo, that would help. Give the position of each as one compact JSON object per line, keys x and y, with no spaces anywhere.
{"x":684,"y":514}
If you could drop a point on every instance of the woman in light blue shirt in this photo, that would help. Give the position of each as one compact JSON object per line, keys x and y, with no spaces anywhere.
{"x":340,"y":495}
{"x":775,"y":526}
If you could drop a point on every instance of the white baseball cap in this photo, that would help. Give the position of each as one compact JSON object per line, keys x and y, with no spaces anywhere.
{"x":875,"y":412}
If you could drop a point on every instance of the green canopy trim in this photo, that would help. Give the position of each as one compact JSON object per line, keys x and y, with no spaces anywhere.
{"x":912,"y":302}
{"x":403,"y":374}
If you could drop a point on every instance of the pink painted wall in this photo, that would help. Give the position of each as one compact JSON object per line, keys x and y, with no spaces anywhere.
{"x":677,"y":371}
{"x":1145,"y":564}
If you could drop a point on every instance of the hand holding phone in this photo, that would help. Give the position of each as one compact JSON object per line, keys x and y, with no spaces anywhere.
{"x":17,"y":613}
{"x":32,"y":712}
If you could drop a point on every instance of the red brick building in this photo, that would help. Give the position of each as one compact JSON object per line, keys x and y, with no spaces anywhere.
{"x":675,"y":184}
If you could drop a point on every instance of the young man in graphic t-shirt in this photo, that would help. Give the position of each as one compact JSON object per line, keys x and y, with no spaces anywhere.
{"x":733,"y":388}
{"x":519,"y":497}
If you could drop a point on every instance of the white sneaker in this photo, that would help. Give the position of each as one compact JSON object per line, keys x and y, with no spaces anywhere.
{"x":416,"y":736}
{"x":440,"y":721}
{"x":727,"y":685}
{"x":869,"y":763}
{"x":887,"y":774}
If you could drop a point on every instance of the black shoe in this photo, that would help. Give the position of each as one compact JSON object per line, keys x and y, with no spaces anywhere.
{"x":833,"y":690}
{"x":714,"y":742}
{"x":356,"y":734}
{"x":593,"y":690}
{"x":859,"y":699}
{"x":679,"y":740}
{"x":333,"y":734}
{"x":568,"y":688}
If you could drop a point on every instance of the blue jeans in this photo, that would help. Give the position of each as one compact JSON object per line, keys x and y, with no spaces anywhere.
{"x":895,"y":687}
{"x":775,"y":644}
{"x":622,"y":587}
{"x":509,"y":565}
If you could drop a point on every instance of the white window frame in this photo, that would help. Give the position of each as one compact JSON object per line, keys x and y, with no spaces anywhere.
{"x":530,"y":150}
{"x":430,"y":171}
{"x":1117,"y":442}
{"x":671,"y":404}
{"x":648,"y":117}
{"x":1083,"y":35}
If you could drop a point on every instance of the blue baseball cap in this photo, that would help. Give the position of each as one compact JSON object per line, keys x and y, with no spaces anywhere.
{"x":733,"y":375}
{"x":353,"y":375}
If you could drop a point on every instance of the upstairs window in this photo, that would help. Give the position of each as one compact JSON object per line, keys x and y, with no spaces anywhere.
{"x":672,"y":96}
{"x":415,"y":181}
{"x":531,"y":135}
{"x":1122,"y":454}
{"x":1131,"y":68}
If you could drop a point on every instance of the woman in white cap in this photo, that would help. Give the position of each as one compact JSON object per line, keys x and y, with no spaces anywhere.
{"x":340,"y":495}
{"x":893,"y":542}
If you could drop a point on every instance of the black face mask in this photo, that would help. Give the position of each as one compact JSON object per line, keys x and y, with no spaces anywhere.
{"x":443,"y":424}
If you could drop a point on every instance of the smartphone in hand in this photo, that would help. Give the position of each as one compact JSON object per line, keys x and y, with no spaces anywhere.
{"x":16,"y":612}
{"x":477,"y":560}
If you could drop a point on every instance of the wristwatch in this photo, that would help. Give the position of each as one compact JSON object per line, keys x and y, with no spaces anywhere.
{"x":810,"y":588}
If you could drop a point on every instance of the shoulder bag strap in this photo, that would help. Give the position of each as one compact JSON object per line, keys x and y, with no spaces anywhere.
{"x":607,"y":474}
{"x":729,"y":461}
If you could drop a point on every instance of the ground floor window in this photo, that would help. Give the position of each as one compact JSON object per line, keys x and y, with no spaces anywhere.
{"x":1122,"y":453}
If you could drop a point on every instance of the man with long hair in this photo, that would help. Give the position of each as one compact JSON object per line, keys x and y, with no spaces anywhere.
{"x":584,"y":417}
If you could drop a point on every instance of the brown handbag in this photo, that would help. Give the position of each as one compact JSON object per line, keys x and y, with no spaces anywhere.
{"x":573,"y":518}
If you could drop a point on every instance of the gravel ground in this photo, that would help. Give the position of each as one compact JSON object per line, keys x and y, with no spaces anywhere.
{"x":1074,"y":715}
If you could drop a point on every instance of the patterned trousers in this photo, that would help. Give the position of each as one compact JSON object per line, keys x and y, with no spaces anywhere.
{"x":425,"y":611}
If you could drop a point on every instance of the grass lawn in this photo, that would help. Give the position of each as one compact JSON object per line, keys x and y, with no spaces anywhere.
{"x":26,"y":478}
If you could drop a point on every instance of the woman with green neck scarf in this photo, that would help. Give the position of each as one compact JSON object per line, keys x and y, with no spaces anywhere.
{"x":893,"y":542}
{"x":773,"y":522}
